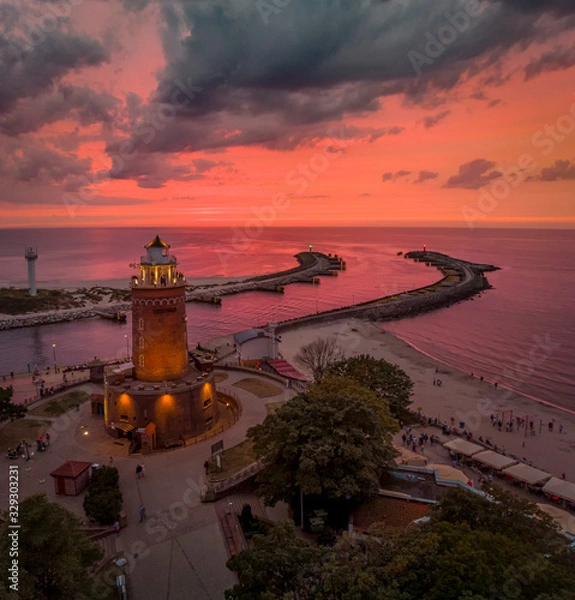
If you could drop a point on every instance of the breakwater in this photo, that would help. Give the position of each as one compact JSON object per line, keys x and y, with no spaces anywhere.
{"x":310,"y":266}
{"x":460,"y":280}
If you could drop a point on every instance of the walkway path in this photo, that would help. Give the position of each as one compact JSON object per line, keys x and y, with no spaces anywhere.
{"x":179,"y":552}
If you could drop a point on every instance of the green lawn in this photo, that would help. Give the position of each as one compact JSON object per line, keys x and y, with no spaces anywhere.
{"x":233,"y":460}
{"x":258,"y":387}
{"x":59,"y":406}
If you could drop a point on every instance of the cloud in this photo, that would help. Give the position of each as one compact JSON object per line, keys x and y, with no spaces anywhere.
{"x":561,"y":170}
{"x":389,"y":176}
{"x":433,"y":120}
{"x":426,"y":176}
{"x":557,"y":59}
{"x":473,"y":175}
{"x":65,"y":102}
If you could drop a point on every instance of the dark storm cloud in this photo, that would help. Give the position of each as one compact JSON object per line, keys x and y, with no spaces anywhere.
{"x":36,"y":163}
{"x":65,"y":102}
{"x":27,"y":69}
{"x":433,"y":120}
{"x":561,"y":170}
{"x":474,"y":175}
{"x":391,"y":176}
{"x":239,"y":77}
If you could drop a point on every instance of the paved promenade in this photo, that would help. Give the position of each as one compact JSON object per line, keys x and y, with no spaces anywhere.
{"x":178,"y":552}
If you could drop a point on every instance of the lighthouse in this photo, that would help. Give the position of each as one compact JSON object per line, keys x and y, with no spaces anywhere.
{"x":162,"y":400}
{"x":31,"y":255}
{"x":159,"y":335}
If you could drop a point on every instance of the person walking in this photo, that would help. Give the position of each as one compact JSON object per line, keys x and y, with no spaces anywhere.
{"x":143,"y":469}
{"x":47,"y":439}
{"x":139,"y":471}
{"x":142,"y":511}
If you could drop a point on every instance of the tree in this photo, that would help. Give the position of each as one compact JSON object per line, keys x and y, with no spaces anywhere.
{"x":318,"y":355}
{"x":458,"y":555}
{"x":388,"y":381}
{"x":104,"y":499}
{"x":277,"y":565}
{"x":333,"y":440}
{"x":8,"y":410}
{"x":53,"y":555}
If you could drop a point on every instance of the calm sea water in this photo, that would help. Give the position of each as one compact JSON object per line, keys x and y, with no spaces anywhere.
{"x":521,"y":333}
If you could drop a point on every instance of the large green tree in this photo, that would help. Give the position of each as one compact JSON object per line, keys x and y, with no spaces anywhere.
{"x":388,"y":381}
{"x":53,"y":554}
{"x":471,"y":549}
{"x":333,"y":440}
{"x":8,"y":410}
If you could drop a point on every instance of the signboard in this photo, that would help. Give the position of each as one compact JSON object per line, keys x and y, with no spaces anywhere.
{"x":217,"y":447}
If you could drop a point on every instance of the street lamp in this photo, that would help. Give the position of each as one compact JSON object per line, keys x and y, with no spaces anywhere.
{"x":54,"y":354}
{"x":127,"y":347}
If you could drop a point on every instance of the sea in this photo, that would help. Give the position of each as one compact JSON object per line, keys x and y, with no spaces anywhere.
{"x":520,"y":334}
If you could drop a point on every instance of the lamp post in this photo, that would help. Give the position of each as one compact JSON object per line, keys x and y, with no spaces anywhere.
{"x":54,"y":355}
{"x":127,"y":347}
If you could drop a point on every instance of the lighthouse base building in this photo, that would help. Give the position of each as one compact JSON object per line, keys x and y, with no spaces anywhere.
{"x":161,"y":400}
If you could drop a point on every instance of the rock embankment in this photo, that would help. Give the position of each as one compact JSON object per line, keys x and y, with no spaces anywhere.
{"x":310,"y":264}
{"x":461,"y":280}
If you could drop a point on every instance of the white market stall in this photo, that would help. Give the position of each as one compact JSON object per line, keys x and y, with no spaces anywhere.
{"x":463,"y":447}
{"x":560,"y":488}
{"x":527,"y":474}
{"x":494,"y":459}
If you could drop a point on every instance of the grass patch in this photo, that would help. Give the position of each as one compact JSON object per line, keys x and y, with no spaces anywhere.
{"x":273,"y":406}
{"x":22,"y":429}
{"x":218,"y":377}
{"x":233,"y":460}
{"x":14,"y":301}
{"x":58,"y":407}
{"x":258,"y":387}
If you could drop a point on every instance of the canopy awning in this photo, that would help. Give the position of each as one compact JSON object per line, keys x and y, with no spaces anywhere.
{"x":560,"y":488}
{"x":564,"y":519}
{"x":407,"y":457}
{"x":448,"y":473}
{"x":530,"y":475}
{"x":463,"y":447}
{"x":494,"y":459}
{"x":125,"y":427}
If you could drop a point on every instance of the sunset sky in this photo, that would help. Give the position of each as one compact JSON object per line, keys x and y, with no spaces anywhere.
{"x":287,"y":112}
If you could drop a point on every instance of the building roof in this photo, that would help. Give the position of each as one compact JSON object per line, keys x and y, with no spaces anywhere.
{"x":71,"y":468}
{"x":157,"y":242}
{"x":250,"y":334}
{"x":393,"y":512}
{"x":283,"y":368}
{"x":494,"y":459}
{"x":560,"y":487}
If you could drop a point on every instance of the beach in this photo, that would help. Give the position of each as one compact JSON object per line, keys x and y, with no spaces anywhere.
{"x":460,"y":396}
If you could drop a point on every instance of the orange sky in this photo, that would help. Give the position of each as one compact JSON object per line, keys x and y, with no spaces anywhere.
{"x":324,"y":180}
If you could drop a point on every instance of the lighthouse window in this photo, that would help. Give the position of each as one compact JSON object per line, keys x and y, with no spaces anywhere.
{"x":141,"y":360}
{"x":141,"y":324}
{"x":207,"y":402}
{"x":141,"y":343}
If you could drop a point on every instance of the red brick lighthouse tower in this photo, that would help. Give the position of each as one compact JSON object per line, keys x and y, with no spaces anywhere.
{"x":159,"y":336}
{"x":163,"y":400}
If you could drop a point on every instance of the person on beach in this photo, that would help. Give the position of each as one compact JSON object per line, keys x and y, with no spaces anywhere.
{"x":142,"y":512}
{"x":143,"y":469}
{"x":47,"y":439}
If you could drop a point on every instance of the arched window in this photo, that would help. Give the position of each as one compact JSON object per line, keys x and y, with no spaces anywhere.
{"x":141,"y":360}
{"x":141,"y":324}
{"x":141,"y":343}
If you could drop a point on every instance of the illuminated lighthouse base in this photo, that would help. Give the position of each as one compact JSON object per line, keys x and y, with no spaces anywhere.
{"x":160,"y":415}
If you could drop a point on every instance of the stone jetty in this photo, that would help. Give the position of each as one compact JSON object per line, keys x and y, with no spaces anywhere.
{"x":311,"y":264}
{"x":460,"y":280}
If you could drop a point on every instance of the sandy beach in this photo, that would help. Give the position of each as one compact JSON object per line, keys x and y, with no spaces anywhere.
{"x":461,"y":396}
